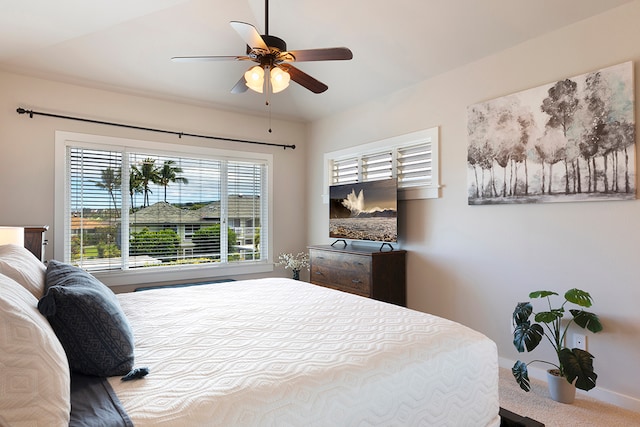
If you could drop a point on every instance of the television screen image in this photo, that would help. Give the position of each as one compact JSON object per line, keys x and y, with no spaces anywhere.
{"x":364,"y":211}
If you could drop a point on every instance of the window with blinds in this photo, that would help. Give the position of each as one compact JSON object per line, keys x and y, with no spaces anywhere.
{"x":133,"y":209}
{"x":411,"y":159}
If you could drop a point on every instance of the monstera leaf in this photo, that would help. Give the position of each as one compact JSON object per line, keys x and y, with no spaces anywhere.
{"x":521,"y":375}
{"x":550,"y":316}
{"x":542,"y":294}
{"x":578,"y":364}
{"x":522,"y":312}
{"x":584,"y":319}
{"x":527,"y":336}
{"x":578,"y":297}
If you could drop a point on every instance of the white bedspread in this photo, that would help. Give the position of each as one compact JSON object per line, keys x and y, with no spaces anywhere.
{"x":278,"y":352}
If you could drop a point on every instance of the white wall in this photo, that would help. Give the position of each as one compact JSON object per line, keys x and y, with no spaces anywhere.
{"x":27,"y":147}
{"x":472,"y":264}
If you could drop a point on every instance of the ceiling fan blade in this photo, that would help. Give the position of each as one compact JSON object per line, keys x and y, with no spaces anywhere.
{"x":327,"y":54}
{"x":304,"y":79}
{"x":240,"y":87}
{"x":250,"y":35}
{"x":209,"y":58}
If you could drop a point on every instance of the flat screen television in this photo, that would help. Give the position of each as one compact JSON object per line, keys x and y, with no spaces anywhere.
{"x":364,"y":211}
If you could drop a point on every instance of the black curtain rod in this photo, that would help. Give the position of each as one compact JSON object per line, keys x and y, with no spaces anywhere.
{"x":31,"y":113}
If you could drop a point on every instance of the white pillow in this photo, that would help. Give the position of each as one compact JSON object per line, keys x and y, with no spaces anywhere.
{"x":35,"y":380}
{"x":24,"y":267}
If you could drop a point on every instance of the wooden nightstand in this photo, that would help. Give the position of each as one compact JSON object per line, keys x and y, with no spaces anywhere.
{"x":364,"y":271}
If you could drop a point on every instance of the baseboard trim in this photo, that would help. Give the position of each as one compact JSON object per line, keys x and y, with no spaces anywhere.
{"x":598,"y":393}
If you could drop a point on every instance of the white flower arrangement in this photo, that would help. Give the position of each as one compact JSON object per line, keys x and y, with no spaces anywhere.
{"x":296,"y":263}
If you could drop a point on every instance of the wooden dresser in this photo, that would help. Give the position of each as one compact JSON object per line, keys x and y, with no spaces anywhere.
{"x":364,"y":271}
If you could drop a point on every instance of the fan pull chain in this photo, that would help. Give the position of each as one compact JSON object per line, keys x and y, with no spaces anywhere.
{"x":268,"y":104}
{"x":267,"y":82}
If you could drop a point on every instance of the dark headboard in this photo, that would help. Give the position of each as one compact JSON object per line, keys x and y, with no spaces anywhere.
{"x":35,"y":240}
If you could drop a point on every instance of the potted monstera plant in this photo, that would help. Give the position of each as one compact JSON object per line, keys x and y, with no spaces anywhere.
{"x":574,"y":367}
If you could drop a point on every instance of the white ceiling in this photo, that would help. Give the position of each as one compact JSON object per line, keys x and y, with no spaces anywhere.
{"x":126,"y":45}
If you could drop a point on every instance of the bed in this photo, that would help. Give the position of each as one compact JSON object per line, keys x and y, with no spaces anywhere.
{"x":266,"y":352}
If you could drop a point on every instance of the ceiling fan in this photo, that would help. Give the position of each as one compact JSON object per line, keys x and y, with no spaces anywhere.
{"x":274,"y":69}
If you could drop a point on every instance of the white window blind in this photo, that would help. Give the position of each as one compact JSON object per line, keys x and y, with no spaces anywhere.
{"x":93,"y":216}
{"x":132,"y":209}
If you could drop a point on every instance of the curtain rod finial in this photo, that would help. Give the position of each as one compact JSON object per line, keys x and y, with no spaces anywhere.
{"x":21,"y":110}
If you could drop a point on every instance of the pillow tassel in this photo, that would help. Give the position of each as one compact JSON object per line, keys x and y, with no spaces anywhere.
{"x":135,"y":374}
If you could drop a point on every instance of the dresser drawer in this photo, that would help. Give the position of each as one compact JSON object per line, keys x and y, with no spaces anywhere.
{"x":347,"y":272}
{"x":349,"y":262}
{"x":320,"y":273}
{"x":341,"y":261}
{"x":354,"y":281}
{"x":325,"y":259}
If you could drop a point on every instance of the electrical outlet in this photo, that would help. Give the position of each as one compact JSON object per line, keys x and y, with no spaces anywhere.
{"x":580,"y":341}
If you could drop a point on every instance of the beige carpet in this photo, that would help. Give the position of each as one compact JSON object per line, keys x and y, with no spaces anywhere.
{"x":537,"y":404}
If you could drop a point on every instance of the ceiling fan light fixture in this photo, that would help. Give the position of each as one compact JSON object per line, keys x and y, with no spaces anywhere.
{"x":270,"y":53}
{"x":254,"y":78}
{"x":279,"y":79}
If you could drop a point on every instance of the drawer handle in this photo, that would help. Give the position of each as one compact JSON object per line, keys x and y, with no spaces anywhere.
{"x":356,"y":281}
{"x":319,"y":273}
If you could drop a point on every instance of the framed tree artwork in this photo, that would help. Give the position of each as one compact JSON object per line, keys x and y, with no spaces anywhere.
{"x":572,"y":140}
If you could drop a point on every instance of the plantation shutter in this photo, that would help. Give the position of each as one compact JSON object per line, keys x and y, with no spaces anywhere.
{"x":345,"y":171}
{"x":411,"y":158}
{"x":377,"y":166}
{"x":411,"y":165}
{"x":414,"y":166}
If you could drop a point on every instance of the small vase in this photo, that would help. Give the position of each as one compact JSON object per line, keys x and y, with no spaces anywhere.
{"x":296,"y":274}
{"x":560,"y":389}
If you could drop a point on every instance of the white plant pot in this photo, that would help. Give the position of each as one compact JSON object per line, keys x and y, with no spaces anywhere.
{"x":560,"y":389}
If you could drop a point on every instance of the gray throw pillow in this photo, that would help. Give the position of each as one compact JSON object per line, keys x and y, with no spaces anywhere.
{"x":88,"y":320}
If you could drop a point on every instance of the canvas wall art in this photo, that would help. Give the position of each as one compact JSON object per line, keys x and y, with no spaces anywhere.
{"x":572,"y":140}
